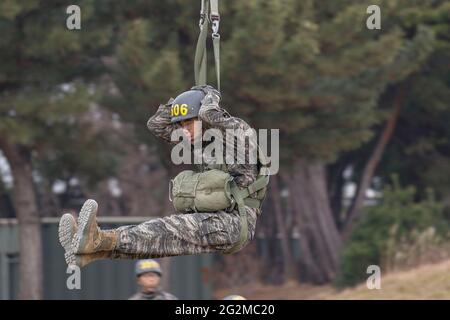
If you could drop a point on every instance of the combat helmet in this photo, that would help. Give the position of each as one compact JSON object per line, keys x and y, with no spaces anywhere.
{"x":187,"y":105}
{"x":147,"y":265}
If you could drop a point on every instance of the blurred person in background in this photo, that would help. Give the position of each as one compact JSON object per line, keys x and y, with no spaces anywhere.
{"x":149,"y":273}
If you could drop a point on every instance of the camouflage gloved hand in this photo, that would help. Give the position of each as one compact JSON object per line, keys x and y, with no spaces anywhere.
{"x":212,"y":95}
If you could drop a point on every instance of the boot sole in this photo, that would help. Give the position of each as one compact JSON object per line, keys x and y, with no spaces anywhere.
{"x":66,"y":232}
{"x":87,"y":213}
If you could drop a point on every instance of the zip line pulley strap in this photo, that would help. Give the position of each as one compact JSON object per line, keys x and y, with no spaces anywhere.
{"x":209,"y":13}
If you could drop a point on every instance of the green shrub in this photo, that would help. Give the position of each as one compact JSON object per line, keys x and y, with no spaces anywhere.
{"x":395,"y":229}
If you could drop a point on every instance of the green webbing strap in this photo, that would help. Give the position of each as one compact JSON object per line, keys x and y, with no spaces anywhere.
{"x":243,"y":219}
{"x":252,"y":203}
{"x":215,"y":19}
{"x":260,"y":183}
{"x":242,"y":200}
{"x":200,"y":61}
{"x":214,"y":7}
{"x":216,"y":46}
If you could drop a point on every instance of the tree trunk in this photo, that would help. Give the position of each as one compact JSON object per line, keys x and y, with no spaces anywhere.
{"x":316,"y":220}
{"x":307,"y":264}
{"x":371,"y":165}
{"x":24,"y":199}
{"x":288,"y":264}
{"x":336,"y":184}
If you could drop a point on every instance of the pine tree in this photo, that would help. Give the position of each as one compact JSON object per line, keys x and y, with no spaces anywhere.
{"x":46,"y":75}
{"x":316,"y":72}
{"x":419,"y":150}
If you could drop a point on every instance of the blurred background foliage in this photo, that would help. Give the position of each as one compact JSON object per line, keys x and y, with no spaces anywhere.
{"x":398,"y":232}
{"x":354,"y":106}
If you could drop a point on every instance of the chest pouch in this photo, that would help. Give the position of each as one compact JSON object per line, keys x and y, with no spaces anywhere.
{"x":201,"y":191}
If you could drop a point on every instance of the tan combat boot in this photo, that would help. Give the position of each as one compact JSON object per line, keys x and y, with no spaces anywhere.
{"x":67,"y":230}
{"x":89,"y":238}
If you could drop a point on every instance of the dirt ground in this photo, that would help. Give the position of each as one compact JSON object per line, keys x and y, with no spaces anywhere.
{"x":425,"y":282}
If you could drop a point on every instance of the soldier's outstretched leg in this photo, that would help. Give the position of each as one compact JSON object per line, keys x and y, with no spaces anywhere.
{"x":180,"y":234}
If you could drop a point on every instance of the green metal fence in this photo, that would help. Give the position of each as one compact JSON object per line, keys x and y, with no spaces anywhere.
{"x":108,"y":279}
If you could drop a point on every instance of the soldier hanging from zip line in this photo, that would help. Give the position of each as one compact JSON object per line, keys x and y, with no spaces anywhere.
{"x":217,"y":207}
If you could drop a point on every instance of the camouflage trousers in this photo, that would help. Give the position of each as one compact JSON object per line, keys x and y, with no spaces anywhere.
{"x":183,"y":234}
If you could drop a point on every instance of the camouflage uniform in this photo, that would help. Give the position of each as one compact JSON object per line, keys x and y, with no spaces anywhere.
{"x":157,"y":295}
{"x":193,"y":233}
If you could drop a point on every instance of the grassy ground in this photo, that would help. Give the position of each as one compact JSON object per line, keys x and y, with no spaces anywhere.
{"x":425,"y":282}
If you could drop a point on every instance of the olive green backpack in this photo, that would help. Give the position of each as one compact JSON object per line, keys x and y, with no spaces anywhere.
{"x":214,"y":190}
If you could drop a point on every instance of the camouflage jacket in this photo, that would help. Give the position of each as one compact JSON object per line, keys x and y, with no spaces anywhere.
{"x":212,"y":116}
{"x":158,"y":295}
